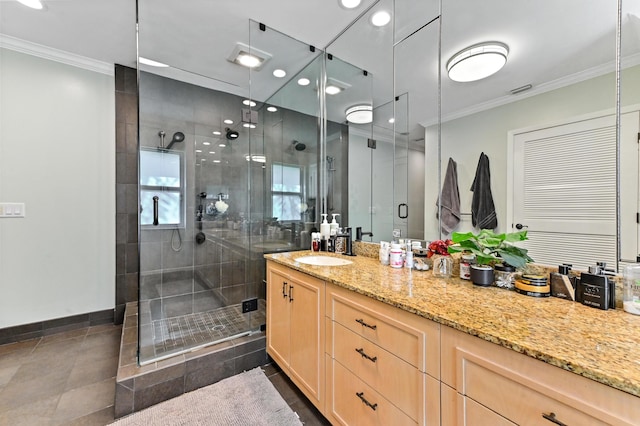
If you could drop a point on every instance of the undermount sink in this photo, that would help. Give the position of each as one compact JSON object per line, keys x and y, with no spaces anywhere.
{"x":323,"y":261}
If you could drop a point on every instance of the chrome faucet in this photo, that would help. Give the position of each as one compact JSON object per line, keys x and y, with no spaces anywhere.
{"x":359,"y":233}
{"x":348,"y":245}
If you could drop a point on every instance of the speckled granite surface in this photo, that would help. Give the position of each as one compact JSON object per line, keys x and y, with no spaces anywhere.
{"x":599,"y":345}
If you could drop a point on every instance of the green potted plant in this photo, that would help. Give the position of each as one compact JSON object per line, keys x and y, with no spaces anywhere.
{"x":490,"y":248}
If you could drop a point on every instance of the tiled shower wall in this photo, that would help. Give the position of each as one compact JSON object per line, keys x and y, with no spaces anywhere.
{"x":126,"y":189}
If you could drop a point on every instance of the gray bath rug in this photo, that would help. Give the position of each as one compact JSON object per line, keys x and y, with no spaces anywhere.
{"x":246,"y":399}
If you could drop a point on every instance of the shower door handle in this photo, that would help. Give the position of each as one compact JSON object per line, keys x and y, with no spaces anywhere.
{"x":406,"y":211}
{"x":155,"y":210}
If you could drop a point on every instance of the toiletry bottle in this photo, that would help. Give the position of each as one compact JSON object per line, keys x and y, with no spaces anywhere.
{"x":631,"y":294}
{"x":384,"y":253}
{"x":561,"y":285}
{"x":395,"y":256}
{"x":325,"y":232}
{"x":340,"y":243}
{"x":408,"y":257}
{"x":334,"y":226}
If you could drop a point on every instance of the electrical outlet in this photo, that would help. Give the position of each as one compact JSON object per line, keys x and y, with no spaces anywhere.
{"x":249,"y":305}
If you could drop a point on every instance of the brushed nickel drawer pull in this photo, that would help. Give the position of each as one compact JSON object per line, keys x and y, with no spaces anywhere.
{"x":290,"y":293}
{"x":361,"y":322}
{"x":284,"y":289}
{"x":364,"y":355}
{"x":365,"y":402}
{"x":552,"y":418}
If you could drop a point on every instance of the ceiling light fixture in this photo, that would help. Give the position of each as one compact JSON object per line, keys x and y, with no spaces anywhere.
{"x":279,"y":73}
{"x":381,"y":18}
{"x":249,"y":125}
{"x":222,"y":145}
{"x":217,"y":133}
{"x":256,"y":158}
{"x":249,"y":102}
{"x":477,"y":62}
{"x":227,"y":121}
{"x":392,"y":120}
{"x":332,"y":90}
{"x":359,"y":114}
{"x":304,"y":81}
{"x":248,"y":56}
{"x":151,"y":63}
{"x":33,"y":4}
{"x":272,"y":109}
{"x":350,"y":4}
{"x":206,"y":143}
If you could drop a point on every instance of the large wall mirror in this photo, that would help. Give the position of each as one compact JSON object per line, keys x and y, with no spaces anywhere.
{"x":546,"y":121}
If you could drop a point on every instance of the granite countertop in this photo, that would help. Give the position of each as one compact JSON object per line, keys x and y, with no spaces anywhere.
{"x":599,"y":345}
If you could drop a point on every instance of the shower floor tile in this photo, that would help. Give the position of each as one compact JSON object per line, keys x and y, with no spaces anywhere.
{"x":179,"y":333}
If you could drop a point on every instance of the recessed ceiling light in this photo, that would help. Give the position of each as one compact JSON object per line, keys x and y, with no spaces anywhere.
{"x":217,"y":133}
{"x":279,"y":73}
{"x":249,"y":125}
{"x":256,"y":158}
{"x":227,"y":121}
{"x":249,"y":102}
{"x":222,"y":145}
{"x":198,"y":150}
{"x":212,"y":152}
{"x":248,"y":56}
{"x":359,"y":114}
{"x":477,"y":62}
{"x":206,"y":143}
{"x":381,"y":18}
{"x":304,"y":81}
{"x":272,"y":109}
{"x":350,"y":4}
{"x":152,"y":63}
{"x":33,"y":4}
{"x":392,"y":120}
{"x":216,"y":161}
{"x":332,"y":90}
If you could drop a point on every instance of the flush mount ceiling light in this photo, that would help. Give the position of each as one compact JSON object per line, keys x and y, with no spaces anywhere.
{"x":152,"y":63}
{"x":227,"y":121}
{"x":279,"y":73}
{"x":359,"y":114}
{"x":477,"y":62}
{"x":248,"y":56}
{"x":304,"y":81}
{"x":249,"y":102}
{"x":249,"y":125}
{"x":272,"y":109}
{"x":335,"y":86}
{"x":381,"y":18}
{"x":33,"y":4}
{"x":217,"y":133}
{"x":349,"y":4}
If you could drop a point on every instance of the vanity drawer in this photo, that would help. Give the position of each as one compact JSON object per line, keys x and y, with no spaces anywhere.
{"x":353,"y":402}
{"x":395,"y":379}
{"x":408,"y":336}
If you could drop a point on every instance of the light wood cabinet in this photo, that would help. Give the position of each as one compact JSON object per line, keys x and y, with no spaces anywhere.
{"x":378,"y":357}
{"x":490,"y":380}
{"x":295,"y":328}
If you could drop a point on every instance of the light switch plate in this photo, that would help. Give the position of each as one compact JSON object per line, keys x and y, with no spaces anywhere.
{"x":12,"y":210}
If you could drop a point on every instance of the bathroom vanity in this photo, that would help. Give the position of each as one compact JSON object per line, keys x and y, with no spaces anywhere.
{"x":369,"y":344}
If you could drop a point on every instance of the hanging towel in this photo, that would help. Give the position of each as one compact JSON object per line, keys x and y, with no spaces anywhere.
{"x":483,"y":211}
{"x":450,"y":198}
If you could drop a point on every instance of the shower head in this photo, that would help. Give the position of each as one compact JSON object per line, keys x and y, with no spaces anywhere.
{"x":177,"y":137}
{"x":231,"y":134}
{"x":299,"y":146}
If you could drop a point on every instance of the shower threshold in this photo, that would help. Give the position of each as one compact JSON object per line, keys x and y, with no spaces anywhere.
{"x":185,"y":333}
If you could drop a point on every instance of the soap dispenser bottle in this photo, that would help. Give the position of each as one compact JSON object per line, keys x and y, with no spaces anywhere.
{"x":334,"y":226}
{"x":325,"y":232}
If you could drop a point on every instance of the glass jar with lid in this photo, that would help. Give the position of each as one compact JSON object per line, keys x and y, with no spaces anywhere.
{"x":631,"y":289}
{"x":504,"y":276}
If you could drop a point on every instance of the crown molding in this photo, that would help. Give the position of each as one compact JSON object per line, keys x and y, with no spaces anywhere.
{"x":51,"y":54}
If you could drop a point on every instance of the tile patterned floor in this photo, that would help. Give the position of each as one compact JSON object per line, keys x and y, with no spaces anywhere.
{"x":69,"y":379}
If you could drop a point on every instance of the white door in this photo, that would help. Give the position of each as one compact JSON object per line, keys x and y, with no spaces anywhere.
{"x":629,"y":187}
{"x":565,"y":191}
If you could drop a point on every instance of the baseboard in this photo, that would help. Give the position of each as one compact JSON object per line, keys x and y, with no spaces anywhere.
{"x":45,"y":328}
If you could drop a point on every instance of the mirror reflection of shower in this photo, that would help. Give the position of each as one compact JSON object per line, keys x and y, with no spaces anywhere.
{"x":177,"y":138}
{"x":330,"y":170}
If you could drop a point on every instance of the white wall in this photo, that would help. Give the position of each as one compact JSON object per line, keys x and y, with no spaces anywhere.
{"x":57,"y":155}
{"x":465,"y":138}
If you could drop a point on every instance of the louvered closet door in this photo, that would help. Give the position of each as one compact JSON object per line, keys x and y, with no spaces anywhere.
{"x":565,"y":192}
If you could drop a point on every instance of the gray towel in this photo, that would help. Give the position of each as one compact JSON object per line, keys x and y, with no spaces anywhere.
{"x":483,"y":211}
{"x":450,"y":198}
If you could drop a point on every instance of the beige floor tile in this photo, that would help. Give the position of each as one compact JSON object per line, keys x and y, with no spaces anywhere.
{"x":66,"y":335}
{"x":83,"y":401}
{"x":19,"y":393}
{"x":19,"y":346}
{"x":31,"y":414}
{"x":99,"y":418}
{"x":92,"y":371}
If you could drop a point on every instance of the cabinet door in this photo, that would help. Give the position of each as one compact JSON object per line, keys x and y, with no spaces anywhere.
{"x":307,"y":335}
{"x":459,"y":410}
{"x":278,"y":314}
